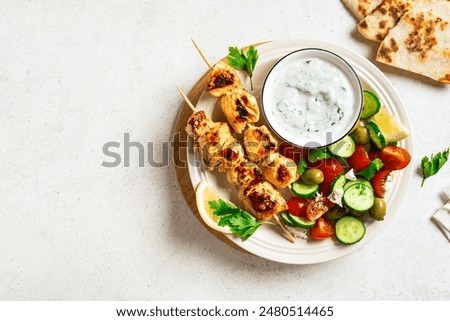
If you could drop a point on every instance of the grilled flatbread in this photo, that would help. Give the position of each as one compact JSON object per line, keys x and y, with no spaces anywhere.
{"x":377,"y":24}
{"x":362,"y":8}
{"x":420,"y":42}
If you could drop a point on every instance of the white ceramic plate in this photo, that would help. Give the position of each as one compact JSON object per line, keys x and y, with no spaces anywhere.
{"x":268,"y":241}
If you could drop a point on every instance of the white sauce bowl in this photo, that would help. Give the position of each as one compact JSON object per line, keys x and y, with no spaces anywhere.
{"x":312,"y":98}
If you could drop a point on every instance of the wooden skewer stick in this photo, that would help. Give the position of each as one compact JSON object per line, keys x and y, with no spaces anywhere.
{"x":285,"y":230}
{"x":202,"y":54}
{"x":188,"y":102}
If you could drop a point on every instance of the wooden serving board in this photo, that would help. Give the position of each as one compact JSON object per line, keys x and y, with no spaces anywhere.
{"x":179,"y":138}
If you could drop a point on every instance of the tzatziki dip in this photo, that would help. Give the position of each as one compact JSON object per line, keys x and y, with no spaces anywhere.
{"x":311,"y":100}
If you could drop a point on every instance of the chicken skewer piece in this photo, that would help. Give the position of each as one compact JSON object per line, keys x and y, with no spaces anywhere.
{"x":240,"y":108}
{"x":280,"y":170}
{"x":258,"y":142}
{"x":213,"y":140}
{"x":238,"y":105}
{"x":258,"y":196}
{"x":260,"y":146}
{"x":223,"y":77}
{"x":271,"y":202}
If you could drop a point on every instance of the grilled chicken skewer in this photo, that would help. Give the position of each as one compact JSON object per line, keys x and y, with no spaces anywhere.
{"x":259,"y":197}
{"x":239,"y":106}
{"x":213,"y":140}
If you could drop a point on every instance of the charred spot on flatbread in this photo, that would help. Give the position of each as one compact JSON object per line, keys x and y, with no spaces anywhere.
{"x":394,"y":45}
{"x":385,"y":53}
{"x":422,"y":38}
{"x":387,"y":48}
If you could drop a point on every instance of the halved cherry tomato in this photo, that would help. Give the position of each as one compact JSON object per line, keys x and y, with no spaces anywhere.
{"x":330,"y":168}
{"x":379,"y":180}
{"x":395,"y":157}
{"x":325,"y":189}
{"x":360,"y":159}
{"x":317,"y":207}
{"x":293,"y":152}
{"x":297,"y":206}
{"x":322,"y":230}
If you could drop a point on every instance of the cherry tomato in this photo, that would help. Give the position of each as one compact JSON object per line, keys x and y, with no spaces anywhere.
{"x":293,"y":152}
{"x":297,"y":206}
{"x":395,"y":157}
{"x":325,"y":189}
{"x":360,"y":159}
{"x":316,"y":208}
{"x":379,"y":180}
{"x":330,"y":168}
{"x":322,"y":230}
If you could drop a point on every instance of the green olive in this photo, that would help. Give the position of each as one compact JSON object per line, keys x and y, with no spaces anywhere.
{"x":378,"y":210}
{"x":334,"y":213}
{"x":361,"y":136}
{"x":312,"y":176}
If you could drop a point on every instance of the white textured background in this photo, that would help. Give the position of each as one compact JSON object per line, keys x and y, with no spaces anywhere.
{"x":77,"y":74}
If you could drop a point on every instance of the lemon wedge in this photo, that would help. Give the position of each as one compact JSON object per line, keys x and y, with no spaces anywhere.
{"x":392,"y":129}
{"x":203,"y":194}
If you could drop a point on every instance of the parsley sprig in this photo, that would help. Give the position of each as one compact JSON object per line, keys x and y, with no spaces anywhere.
{"x":432,"y":165}
{"x":241,"y":223}
{"x":243,"y":60}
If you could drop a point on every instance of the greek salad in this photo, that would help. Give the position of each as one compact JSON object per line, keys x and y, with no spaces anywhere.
{"x":342,"y":186}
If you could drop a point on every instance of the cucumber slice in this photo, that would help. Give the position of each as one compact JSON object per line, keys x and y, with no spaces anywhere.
{"x":358,"y":181}
{"x":305,"y":191}
{"x":349,"y":230}
{"x":285,"y":217}
{"x":376,"y":135}
{"x":371,"y":104}
{"x":343,"y":148}
{"x":338,"y":182}
{"x":370,"y":171}
{"x":359,"y":197}
{"x":301,"y":222}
